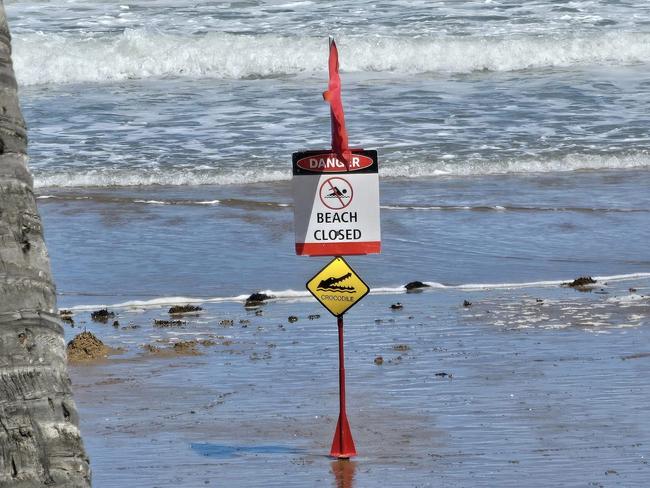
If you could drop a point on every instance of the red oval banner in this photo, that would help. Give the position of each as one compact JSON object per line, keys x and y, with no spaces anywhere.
{"x":329,"y":163}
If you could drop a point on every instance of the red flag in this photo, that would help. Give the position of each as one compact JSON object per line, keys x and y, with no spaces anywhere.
{"x":333,"y":97}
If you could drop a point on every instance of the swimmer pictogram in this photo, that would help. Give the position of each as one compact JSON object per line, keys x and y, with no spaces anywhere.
{"x":336,"y":193}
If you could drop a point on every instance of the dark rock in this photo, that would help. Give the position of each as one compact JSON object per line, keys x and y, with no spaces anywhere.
{"x":169,"y":323}
{"x":582,"y":282}
{"x":150,"y":348}
{"x":257,"y":299}
{"x":180,"y":309}
{"x":186,"y":348}
{"x":444,"y":375}
{"x":66,"y":316}
{"x":631,"y":290}
{"x":415,"y":285}
{"x":314,"y":316}
{"x":116,"y":323}
{"x":226,"y":323}
{"x":396,"y":306}
{"x":467,"y":303}
{"x":292,"y":319}
{"x":401,"y":347}
{"x":180,"y":348}
{"x":638,"y":355}
{"x":102,"y":315}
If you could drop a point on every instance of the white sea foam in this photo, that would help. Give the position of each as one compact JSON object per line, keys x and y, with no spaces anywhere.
{"x":391,"y":169}
{"x":143,"y":53}
{"x":152,"y":202}
{"x":571,"y":162}
{"x":506,"y":286}
{"x":305,"y":295}
{"x":542,"y":284}
{"x":158,"y":303}
{"x":623,"y":277}
{"x":631,"y":299}
{"x":171,"y":177}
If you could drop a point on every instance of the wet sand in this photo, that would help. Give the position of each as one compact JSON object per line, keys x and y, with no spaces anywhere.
{"x":535,"y":387}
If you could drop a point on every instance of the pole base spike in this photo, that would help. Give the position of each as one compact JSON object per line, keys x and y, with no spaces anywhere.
{"x":343,"y":444}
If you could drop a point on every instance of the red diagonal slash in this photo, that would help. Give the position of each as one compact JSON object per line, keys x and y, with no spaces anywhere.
{"x":336,"y":193}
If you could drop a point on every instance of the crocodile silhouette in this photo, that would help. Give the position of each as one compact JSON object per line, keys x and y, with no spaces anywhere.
{"x":330,"y":284}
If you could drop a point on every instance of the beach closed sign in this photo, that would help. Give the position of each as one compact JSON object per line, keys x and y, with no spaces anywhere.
{"x":337,"y":287}
{"x":336,"y":204}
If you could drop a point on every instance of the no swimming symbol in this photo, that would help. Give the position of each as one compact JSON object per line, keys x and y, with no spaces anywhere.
{"x":336,"y":193}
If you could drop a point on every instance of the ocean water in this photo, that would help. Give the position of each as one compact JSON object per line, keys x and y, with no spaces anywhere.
{"x":514,"y":152}
{"x":513,"y":139}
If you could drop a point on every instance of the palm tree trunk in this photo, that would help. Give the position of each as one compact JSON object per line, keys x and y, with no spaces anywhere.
{"x":40,"y":443}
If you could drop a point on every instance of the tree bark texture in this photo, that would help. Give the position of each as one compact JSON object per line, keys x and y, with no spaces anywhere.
{"x":40,"y":443}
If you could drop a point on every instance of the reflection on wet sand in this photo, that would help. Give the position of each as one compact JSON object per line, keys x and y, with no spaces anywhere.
{"x":343,"y":470}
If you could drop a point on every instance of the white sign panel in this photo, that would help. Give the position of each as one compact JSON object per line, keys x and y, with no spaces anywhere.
{"x":336,"y":206}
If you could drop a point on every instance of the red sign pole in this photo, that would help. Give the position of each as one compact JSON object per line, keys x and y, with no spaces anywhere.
{"x":342,"y":445}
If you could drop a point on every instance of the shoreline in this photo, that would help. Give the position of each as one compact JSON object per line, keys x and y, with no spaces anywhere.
{"x":305,"y":296}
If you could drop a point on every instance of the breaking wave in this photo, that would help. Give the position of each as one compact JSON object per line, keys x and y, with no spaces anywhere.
{"x":42,"y":58}
{"x":571,"y":162}
{"x":393,"y":167}
{"x":138,"y":177}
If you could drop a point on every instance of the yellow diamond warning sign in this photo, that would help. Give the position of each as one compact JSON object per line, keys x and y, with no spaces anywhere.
{"x":337,"y":286}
